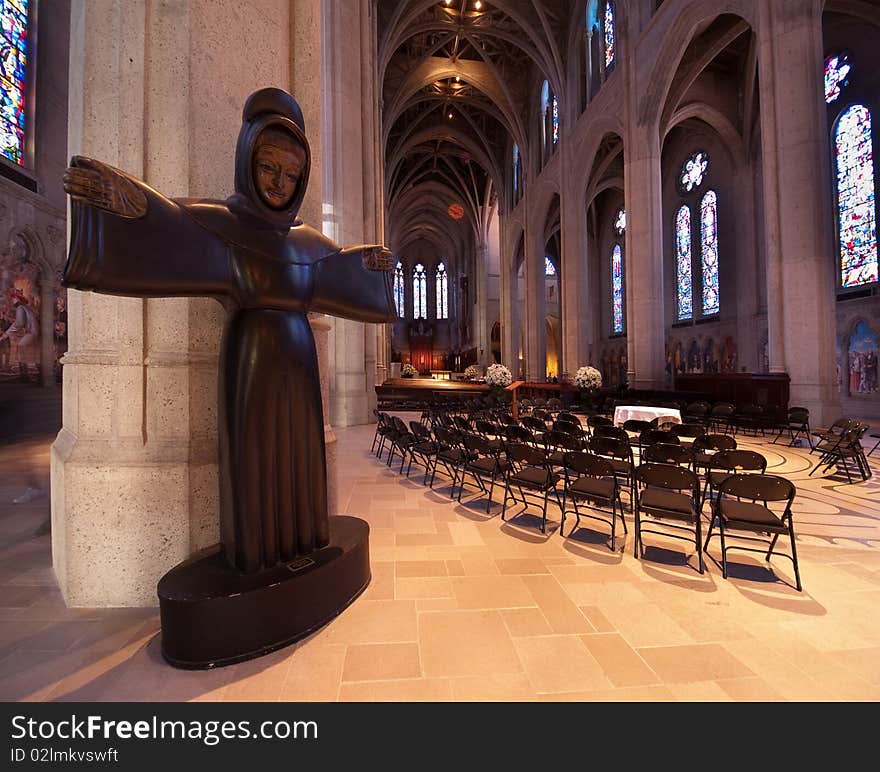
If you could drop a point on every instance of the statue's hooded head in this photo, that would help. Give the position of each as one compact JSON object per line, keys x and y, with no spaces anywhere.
{"x":272,"y":158}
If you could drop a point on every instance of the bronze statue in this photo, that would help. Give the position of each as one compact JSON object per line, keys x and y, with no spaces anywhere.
{"x":269,"y":270}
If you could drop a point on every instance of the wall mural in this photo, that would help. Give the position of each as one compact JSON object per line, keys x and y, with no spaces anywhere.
{"x":711,"y":357}
{"x":19,"y":319}
{"x":863,"y":346}
{"x":21,"y":335}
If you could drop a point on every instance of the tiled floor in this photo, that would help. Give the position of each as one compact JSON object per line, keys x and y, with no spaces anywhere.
{"x":466,"y":607}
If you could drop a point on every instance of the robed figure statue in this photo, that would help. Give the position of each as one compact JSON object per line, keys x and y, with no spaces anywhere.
{"x":269,"y":270}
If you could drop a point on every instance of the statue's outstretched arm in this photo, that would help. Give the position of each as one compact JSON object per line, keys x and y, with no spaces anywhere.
{"x":97,"y":184}
{"x":354,"y":283}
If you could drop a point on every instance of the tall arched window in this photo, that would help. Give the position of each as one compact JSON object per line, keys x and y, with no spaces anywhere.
{"x":441,"y":283}
{"x":555,"y":119}
{"x":420,"y":302}
{"x":13,"y":68}
{"x":856,"y":206}
{"x":709,"y":252}
{"x":398,"y":289}
{"x":683,"y":281}
{"x":608,"y":24}
{"x":617,"y":289}
{"x":696,"y":221}
{"x":517,"y":173}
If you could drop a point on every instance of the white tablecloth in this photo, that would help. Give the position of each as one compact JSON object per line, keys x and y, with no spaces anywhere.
{"x":644,"y":413}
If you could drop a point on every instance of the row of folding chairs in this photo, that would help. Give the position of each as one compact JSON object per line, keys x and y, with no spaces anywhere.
{"x":666,"y":496}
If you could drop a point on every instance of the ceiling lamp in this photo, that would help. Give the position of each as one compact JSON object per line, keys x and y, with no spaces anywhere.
{"x":450,"y":116}
{"x":478,"y":5}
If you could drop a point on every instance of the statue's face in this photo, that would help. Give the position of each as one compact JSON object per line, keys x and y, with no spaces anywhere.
{"x":277,"y":169}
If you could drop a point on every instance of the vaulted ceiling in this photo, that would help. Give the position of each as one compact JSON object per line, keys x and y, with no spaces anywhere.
{"x":457,"y":79}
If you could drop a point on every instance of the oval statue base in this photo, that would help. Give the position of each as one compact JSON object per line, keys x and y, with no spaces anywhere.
{"x":213,"y":615}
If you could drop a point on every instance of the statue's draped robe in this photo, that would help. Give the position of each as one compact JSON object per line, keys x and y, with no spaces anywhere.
{"x":271,"y":429}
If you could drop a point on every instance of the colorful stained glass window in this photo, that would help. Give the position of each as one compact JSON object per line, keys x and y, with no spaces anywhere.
{"x":617,"y":288}
{"x":13,"y":64}
{"x":555,"y":119}
{"x":683,"y":279}
{"x":420,"y":301}
{"x":856,"y":206}
{"x":709,"y":252}
{"x":693,"y":171}
{"x":837,"y":68}
{"x":549,"y":268}
{"x":620,"y":222}
{"x":398,"y":289}
{"x":442,"y":286}
{"x":609,"y":34}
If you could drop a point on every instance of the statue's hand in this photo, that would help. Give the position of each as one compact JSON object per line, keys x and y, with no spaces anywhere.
{"x":378,"y":258}
{"x":97,"y":184}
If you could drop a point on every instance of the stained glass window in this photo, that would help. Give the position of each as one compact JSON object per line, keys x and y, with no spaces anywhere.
{"x":709,"y":252}
{"x":692,"y":172}
{"x":13,"y":63}
{"x":683,"y":278}
{"x":609,"y":34}
{"x":442,"y":292}
{"x":515,"y":171}
{"x":549,"y":268}
{"x":620,"y":222}
{"x":398,"y":288}
{"x":555,"y":119}
{"x":837,"y":68}
{"x":856,"y":206}
{"x":420,"y":302}
{"x":617,"y":288}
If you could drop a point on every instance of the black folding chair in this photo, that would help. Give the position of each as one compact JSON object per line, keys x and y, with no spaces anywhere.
{"x":728,"y":462}
{"x":593,"y":483}
{"x":742,"y":505}
{"x":669,"y":495}
{"x":483,"y":463}
{"x":530,"y":474}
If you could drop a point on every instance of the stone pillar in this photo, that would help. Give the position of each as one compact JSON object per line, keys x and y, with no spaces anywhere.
{"x":349,"y":189}
{"x":509,"y":311}
{"x":577,"y":283}
{"x":747,"y":277}
{"x":134,"y":468}
{"x":535,"y":354}
{"x":797,"y":185}
{"x":645,"y":322}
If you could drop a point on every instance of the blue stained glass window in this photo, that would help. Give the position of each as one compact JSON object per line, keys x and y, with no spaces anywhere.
{"x":398,"y":289}
{"x":617,"y":288}
{"x":709,"y":252}
{"x":692,"y":172}
{"x":442,"y":292}
{"x":515,"y":171}
{"x":555,"y":119}
{"x":420,"y":302}
{"x":13,"y":66}
{"x":609,"y":34}
{"x":837,"y":68}
{"x":684,"y":282}
{"x":856,"y":206}
{"x":549,"y":268}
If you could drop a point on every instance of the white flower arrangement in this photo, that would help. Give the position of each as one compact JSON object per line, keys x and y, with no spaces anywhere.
{"x":471,"y":372}
{"x":498,"y":375}
{"x":408,"y":370}
{"x":588,"y":377}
